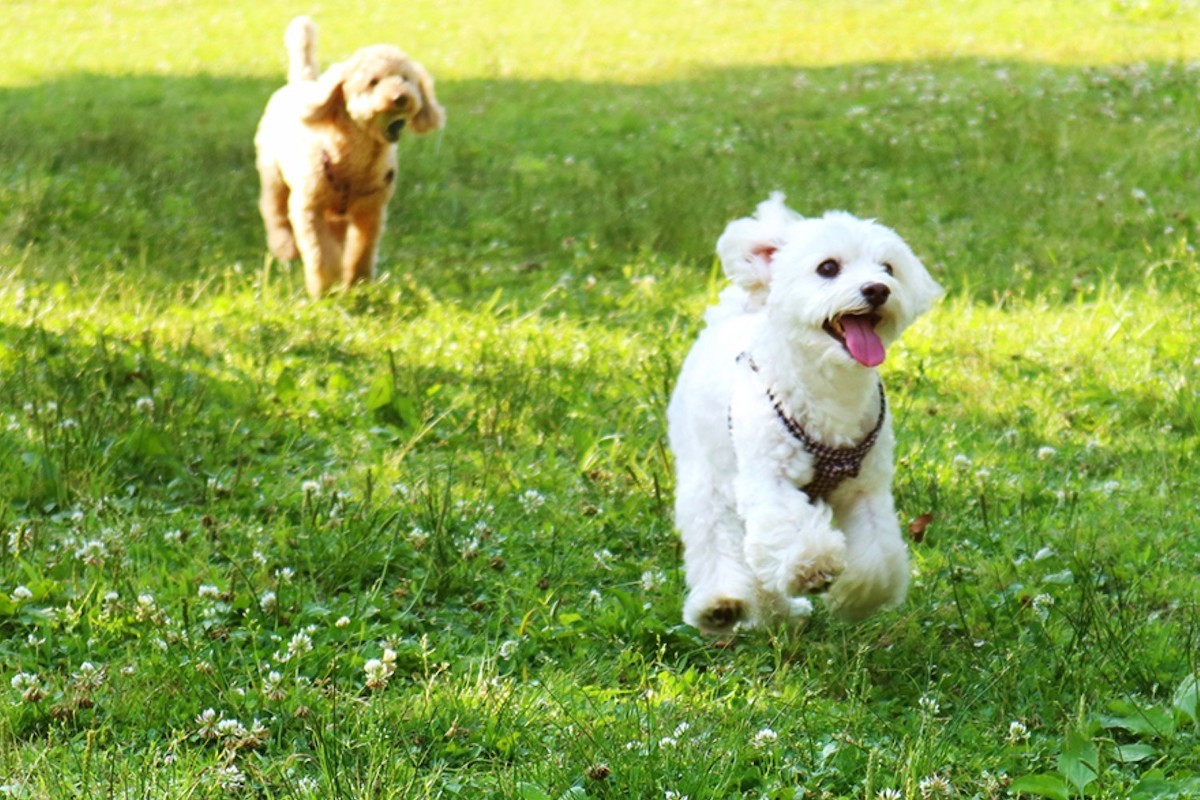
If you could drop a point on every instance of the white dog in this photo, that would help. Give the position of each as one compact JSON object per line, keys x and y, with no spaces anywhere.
{"x":780,"y":427}
{"x":326,"y":154}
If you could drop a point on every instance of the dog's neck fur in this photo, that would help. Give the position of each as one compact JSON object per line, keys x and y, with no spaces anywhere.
{"x":837,"y":401}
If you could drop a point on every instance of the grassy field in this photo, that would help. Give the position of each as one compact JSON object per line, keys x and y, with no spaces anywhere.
{"x":416,"y":541}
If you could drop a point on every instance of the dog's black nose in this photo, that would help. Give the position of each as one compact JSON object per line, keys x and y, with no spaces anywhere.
{"x":876,"y":294}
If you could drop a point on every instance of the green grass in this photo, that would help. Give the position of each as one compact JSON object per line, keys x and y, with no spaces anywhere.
{"x":219,"y":495}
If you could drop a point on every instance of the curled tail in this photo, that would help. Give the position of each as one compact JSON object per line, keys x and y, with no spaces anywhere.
{"x":301,"y":42}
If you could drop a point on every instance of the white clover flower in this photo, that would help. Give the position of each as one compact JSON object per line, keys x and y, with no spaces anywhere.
{"x":532,"y":500}
{"x":92,"y":553}
{"x":1041,"y":606}
{"x":1046,"y":452}
{"x":470,"y":550}
{"x":681,"y":729}
{"x":231,"y":730}
{"x":418,"y":538}
{"x":1017,"y":732}
{"x":310,"y":487}
{"x":273,"y":686}
{"x":146,"y":607}
{"x":89,"y":678}
{"x":206,"y":723}
{"x":69,"y":423}
{"x":230,"y":778}
{"x":508,"y":649}
{"x":652,"y":579}
{"x":268,"y":602}
{"x":671,"y":794}
{"x":144,"y":405}
{"x":935,"y":786}
{"x":300,"y":644}
{"x":29,"y":685}
{"x":173,"y":536}
{"x":889,"y":794}
{"x":308,"y":785}
{"x":668,"y":741}
{"x":378,"y":672}
{"x":285,"y":574}
{"x":258,"y":732}
{"x":929,"y":705}
{"x":764,"y":738}
{"x":342,"y":622}
{"x":208,"y":591}
{"x":20,"y":594}
{"x":962,"y":462}
{"x":594,"y":598}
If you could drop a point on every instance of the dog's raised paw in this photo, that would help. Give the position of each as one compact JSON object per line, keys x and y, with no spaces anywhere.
{"x":812,"y":579}
{"x":722,"y":615}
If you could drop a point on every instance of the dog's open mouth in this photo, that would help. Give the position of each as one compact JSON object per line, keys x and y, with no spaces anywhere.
{"x":395,"y":128}
{"x":857,"y":334}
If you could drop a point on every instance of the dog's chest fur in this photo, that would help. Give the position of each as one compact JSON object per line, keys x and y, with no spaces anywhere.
{"x":349,"y":180}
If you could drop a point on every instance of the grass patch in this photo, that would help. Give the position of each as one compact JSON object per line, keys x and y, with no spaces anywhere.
{"x":415,"y":541}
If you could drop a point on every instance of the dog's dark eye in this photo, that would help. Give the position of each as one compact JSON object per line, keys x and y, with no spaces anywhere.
{"x":829,"y":268}
{"x":888,"y":268}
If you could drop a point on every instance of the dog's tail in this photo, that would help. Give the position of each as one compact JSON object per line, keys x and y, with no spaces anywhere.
{"x":301,"y":42}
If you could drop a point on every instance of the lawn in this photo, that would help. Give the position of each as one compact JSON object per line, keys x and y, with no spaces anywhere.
{"x":415,"y":541}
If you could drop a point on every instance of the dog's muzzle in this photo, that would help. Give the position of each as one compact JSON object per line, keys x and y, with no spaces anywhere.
{"x":857,"y":334}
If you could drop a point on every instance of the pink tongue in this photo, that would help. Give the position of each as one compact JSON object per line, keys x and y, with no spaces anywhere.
{"x":861,"y":340}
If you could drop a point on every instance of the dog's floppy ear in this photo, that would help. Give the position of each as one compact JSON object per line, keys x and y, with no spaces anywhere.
{"x":431,"y":116}
{"x":325,"y":97}
{"x":748,"y":245}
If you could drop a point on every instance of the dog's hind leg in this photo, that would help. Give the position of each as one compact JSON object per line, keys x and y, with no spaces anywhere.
{"x":273,"y":205}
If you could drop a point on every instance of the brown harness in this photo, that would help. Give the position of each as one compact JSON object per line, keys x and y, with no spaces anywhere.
{"x":344,"y":189}
{"x":831,"y":465}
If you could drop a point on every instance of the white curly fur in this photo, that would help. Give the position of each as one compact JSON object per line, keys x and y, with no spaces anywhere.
{"x":755,"y":546}
{"x":326,"y":154}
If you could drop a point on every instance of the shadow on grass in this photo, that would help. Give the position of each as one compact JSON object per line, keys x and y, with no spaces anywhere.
{"x":1002,"y":176}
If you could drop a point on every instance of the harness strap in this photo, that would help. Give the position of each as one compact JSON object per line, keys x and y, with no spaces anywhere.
{"x":831,"y":465}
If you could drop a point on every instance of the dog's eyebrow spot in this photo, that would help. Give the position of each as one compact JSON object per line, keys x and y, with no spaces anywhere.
{"x":390,"y":176}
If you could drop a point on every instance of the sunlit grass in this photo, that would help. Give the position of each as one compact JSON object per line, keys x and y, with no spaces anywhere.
{"x":618,"y":42}
{"x":416,"y":541}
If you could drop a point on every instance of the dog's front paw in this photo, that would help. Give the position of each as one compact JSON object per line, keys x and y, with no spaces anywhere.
{"x":718,"y":616}
{"x":282,"y":245}
{"x":816,"y":573}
